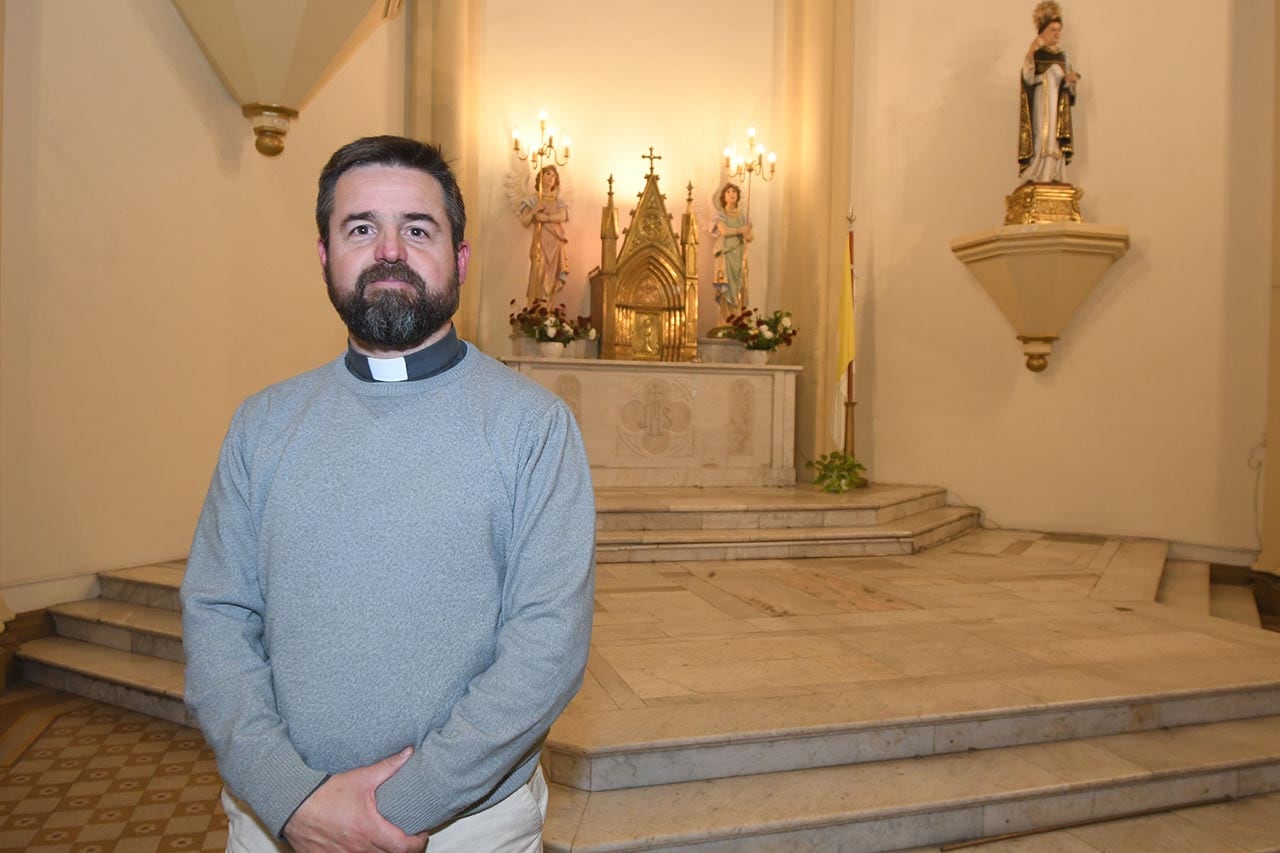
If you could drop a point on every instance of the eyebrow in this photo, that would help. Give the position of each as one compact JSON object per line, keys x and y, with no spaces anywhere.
{"x":370,"y":216}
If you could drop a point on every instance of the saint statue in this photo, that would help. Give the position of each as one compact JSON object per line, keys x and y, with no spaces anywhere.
{"x":546,"y":213}
{"x":1045,"y":140}
{"x":732,"y":229}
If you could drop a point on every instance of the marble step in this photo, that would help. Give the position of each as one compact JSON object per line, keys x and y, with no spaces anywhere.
{"x":907,"y":803}
{"x":152,"y":586}
{"x":639,"y":747}
{"x":130,"y":680}
{"x":798,"y":506}
{"x":1133,"y":574}
{"x":1246,"y":825}
{"x":1234,"y":602}
{"x":1185,"y":585}
{"x":901,"y":536}
{"x":121,"y":625}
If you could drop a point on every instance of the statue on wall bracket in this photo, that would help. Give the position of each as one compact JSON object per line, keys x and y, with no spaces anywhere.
{"x":1045,"y":261}
{"x":1046,"y":140}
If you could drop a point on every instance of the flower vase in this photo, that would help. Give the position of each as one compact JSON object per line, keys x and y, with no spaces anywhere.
{"x":721,"y":350}
{"x":550,"y":349}
{"x":757,"y":356}
{"x":522,"y":346}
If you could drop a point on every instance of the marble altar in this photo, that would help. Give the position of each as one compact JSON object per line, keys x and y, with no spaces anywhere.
{"x":655,"y":423}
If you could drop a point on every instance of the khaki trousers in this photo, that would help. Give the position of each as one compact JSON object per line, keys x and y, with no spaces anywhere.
{"x":513,"y":825}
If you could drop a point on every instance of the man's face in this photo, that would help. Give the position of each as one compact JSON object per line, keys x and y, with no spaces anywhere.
{"x":390,"y":266}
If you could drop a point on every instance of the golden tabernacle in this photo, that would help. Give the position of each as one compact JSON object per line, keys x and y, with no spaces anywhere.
{"x":646,"y":294}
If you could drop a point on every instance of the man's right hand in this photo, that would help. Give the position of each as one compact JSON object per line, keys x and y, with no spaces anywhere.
{"x":342,"y":814}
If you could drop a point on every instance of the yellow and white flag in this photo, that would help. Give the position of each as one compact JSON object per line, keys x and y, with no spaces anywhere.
{"x":847,"y":351}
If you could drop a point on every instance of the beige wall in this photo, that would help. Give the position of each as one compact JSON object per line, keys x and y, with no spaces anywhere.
{"x":1146,"y":421}
{"x":686,"y":79}
{"x":1269,"y":559}
{"x":156,"y":270}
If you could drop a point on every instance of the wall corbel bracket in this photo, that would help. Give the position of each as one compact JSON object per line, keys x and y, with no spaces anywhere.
{"x":1039,"y":274}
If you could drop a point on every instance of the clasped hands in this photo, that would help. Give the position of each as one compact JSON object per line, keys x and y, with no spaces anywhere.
{"x":342,"y":815}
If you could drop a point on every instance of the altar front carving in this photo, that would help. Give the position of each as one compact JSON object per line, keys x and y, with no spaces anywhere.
{"x":678,"y":424}
{"x":645,"y":296}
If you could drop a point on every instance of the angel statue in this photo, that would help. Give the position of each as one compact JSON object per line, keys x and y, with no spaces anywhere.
{"x":1045,"y":141}
{"x":543,"y":210}
{"x":731,"y":227}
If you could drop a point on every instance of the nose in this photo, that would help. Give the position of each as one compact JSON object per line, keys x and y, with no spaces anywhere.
{"x":389,"y":248}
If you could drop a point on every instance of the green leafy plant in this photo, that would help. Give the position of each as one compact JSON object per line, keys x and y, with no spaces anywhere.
{"x":838,"y":472}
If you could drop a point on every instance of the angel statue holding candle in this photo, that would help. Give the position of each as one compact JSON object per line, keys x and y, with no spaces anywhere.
{"x":732,"y":229}
{"x":546,"y":213}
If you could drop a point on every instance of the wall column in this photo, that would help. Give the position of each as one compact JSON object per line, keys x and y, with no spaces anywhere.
{"x":441,"y":91}
{"x":817,"y":91}
{"x":6,"y":614}
{"x":1269,"y":559}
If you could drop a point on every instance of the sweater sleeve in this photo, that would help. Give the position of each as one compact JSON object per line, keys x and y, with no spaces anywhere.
{"x":541,"y":649}
{"x":228,"y":678}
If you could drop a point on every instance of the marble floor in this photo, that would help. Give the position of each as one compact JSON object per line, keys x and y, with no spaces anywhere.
{"x":716,"y":653}
{"x":1009,"y":605}
{"x":712,"y":671}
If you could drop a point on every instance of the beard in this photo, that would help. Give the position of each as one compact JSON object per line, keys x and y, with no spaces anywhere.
{"x":394,"y":319}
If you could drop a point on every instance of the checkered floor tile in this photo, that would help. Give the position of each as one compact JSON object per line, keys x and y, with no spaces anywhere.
{"x":108,"y":780}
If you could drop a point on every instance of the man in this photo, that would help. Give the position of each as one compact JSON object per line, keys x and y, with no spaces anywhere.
{"x":388,"y":599}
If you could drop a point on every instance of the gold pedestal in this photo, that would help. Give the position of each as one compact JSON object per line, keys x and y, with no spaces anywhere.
{"x":1031,"y":203}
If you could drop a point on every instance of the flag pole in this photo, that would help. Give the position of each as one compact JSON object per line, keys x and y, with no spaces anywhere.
{"x":849,"y":402}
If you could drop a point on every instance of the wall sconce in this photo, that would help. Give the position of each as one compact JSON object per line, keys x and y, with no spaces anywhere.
{"x":744,"y":167}
{"x":546,"y":153}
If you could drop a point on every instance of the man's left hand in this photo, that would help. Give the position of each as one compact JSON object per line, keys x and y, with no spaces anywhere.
{"x":342,"y":815}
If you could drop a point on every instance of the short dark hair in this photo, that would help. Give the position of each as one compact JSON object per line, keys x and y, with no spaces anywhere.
{"x":391,"y":151}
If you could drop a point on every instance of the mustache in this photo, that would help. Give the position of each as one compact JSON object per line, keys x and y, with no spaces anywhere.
{"x":390,"y":271}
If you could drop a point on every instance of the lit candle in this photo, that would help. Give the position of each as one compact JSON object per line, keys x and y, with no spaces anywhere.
{"x":773,"y":157}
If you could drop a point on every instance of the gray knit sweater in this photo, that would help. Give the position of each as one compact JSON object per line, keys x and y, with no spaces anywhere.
{"x":380,"y":565}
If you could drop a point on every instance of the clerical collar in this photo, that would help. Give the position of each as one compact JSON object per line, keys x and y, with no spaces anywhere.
{"x":432,"y":360}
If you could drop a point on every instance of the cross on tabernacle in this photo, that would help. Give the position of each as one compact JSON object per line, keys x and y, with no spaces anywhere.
{"x":650,"y":157}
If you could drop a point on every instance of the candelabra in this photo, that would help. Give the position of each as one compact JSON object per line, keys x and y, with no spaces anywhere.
{"x":744,"y":168}
{"x":546,"y":153}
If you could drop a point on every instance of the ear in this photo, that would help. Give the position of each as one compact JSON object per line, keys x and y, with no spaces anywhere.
{"x":322,"y":252}
{"x":464,"y":257}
